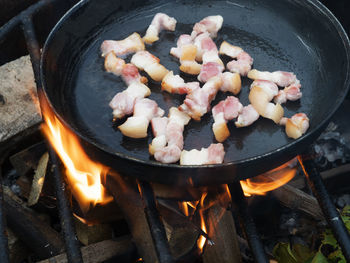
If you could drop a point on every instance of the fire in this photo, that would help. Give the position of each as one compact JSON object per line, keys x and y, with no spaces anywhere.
{"x":184,"y":208}
{"x":217,"y":198}
{"x":188,"y":208}
{"x":201,"y":240}
{"x":83,"y":174}
{"x":269,"y":181}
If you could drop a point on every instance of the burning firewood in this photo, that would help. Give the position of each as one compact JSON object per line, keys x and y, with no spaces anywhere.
{"x":225,"y":246}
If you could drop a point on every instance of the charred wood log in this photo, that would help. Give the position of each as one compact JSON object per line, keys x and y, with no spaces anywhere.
{"x":297,"y":199}
{"x":100,"y":251}
{"x":34,"y":232}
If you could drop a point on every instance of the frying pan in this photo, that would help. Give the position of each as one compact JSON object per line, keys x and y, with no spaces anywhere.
{"x":301,"y":36}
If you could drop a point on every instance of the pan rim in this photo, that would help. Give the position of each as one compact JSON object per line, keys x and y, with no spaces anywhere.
{"x":313,"y":3}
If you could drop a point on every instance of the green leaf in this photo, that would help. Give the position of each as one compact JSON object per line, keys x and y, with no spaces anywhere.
{"x":319,"y":258}
{"x":302,"y":253}
{"x":346,"y":210}
{"x":345,"y":215}
{"x":282,"y":253}
{"x":337,"y":255}
{"x":328,"y":239}
{"x":346,"y":222}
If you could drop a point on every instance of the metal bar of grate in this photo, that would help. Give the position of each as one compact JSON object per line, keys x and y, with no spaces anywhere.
{"x":330,"y":212}
{"x":156,"y":226}
{"x":33,"y":47}
{"x":71,"y":241}
{"x":240,"y":205}
{"x":33,"y":9}
{"x":4,"y":256}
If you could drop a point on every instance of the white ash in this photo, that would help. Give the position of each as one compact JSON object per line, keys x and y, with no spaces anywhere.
{"x":331,"y":147}
{"x":343,"y":201}
{"x":16,"y":189}
{"x":289,"y":222}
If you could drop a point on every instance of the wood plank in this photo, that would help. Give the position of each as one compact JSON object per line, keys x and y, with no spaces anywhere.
{"x":225,"y":248}
{"x":98,"y":252}
{"x":297,"y":199}
{"x":19,"y":107}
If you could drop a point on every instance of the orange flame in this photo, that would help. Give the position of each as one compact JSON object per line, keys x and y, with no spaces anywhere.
{"x":188,"y":208}
{"x":219,"y":196}
{"x":184,"y":207}
{"x":193,"y":204}
{"x":201,"y":240}
{"x":269,"y":181}
{"x":228,"y":192}
{"x":83,"y":174}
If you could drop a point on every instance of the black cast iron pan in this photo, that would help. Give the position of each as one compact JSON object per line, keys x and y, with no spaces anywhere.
{"x":291,"y":35}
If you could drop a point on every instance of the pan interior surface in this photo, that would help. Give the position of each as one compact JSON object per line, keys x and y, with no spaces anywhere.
{"x":279,"y":35}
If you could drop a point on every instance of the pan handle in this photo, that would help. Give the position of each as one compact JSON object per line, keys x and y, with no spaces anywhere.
{"x":320,"y":192}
